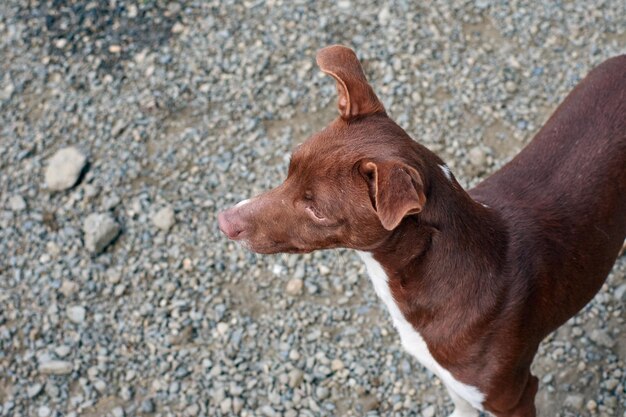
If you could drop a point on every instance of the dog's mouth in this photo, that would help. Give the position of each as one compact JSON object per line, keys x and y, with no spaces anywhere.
{"x":274,"y":248}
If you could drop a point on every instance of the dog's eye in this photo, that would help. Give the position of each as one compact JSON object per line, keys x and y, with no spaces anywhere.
{"x":314,"y":213}
{"x":308,"y":196}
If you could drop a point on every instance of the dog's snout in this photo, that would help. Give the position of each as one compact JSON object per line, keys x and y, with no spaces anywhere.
{"x":229,"y":226}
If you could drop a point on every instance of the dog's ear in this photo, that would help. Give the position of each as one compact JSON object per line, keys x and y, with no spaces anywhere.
{"x":396,"y":190}
{"x":356,"y":97}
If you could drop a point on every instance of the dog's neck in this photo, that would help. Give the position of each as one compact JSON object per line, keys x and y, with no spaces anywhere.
{"x":453,"y":249}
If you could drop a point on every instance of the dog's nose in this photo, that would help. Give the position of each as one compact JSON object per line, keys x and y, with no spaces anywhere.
{"x":231,"y":229}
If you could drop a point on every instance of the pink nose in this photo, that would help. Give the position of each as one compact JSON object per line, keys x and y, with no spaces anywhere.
{"x":229,"y":227}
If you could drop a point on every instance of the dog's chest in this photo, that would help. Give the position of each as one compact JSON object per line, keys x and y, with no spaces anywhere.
{"x":411,"y":339}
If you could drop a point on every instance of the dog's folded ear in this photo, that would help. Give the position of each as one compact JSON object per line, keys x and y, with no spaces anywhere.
{"x":356,"y":97}
{"x":396,"y":190}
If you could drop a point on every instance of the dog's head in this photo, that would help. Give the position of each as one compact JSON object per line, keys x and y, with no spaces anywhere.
{"x":349,"y":185}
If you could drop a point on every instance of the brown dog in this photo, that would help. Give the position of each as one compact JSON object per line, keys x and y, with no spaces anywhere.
{"x":473,"y":280}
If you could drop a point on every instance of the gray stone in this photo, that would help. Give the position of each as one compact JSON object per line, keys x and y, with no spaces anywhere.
{"x":237,"y":405}
{"x":7,"y":91}
{"x":226,"y":405}
{"x":384,"y":15}
{"x":274,"y":398}
{"x":368,"y":403}
{"x":34,"y":390}
{"x":574,"y":401}
{"x":62,"y":351}
{"x":56,"y":367}
{"x":52,"y":390}
{"x":477,"y":157}
{"x":611,"y":383}
{"x":294,"y":286}
{"x":17,"y":203}
{"x":174,"y":387}
{"x":322,"y":392}
{"x":100,"y":386}
{"x":429,"y":411}
{"x":119,"y":290}
{"x":510,"y":86}
{"x":147,"y":406}
{"x":64,"y":168}
{"x":620,"y":293}
{"x":336,"y":365}
{"x":110,"y":202}
{"x":602,"y":337}
{"x":44,"y":411}
{"x":192,"y":410}
{"x":100,"y":229}
{"x":268,"y":411}
{"x":295,"y":378}
{"x":76,"y":314}
{"x":117,"y":412}
{"x":126,"y":393}
{"x":164,"y":219}
{"x":68,"y":288}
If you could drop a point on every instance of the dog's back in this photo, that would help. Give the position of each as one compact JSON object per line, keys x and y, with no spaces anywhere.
{"x":565,"y":193}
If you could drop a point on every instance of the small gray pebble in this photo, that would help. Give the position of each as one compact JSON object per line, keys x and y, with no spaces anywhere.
{"x":34,"y":390}
{"x":164,"y":219}
{"x":56,"y":367}
{"x":574,"y":401}
{"x":294,"y":286}
{"x":295,"y":378}
{"x":322,"y":393}
{"x":602,"y":338}
{"x":76,"y":314}
{"x":226,"y":405}
{"x":147,"y":406}
{"x":43,"y":411}
{"x":17,"y":203}
{"x":477,"y":157}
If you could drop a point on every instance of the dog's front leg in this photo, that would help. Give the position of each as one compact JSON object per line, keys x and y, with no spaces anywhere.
{"x":461,"y":407}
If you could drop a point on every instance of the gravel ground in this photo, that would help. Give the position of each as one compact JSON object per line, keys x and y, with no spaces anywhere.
{"x":118,"y":296}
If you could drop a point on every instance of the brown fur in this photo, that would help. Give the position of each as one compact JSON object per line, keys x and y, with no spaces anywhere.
{"x":482,"y":285}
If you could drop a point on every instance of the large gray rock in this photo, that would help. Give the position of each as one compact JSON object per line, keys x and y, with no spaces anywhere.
{"x":64,"y":168}
{"x":100,"y":229}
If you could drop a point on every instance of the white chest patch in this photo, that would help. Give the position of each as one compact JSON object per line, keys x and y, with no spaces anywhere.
{"x":411,"y":340}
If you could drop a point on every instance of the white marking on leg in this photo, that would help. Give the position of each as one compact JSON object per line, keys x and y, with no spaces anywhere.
{"x":461,"y":407}
{"x":446,"y":171}
{"x":242,"y":203}
{"x":413,"y":342}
